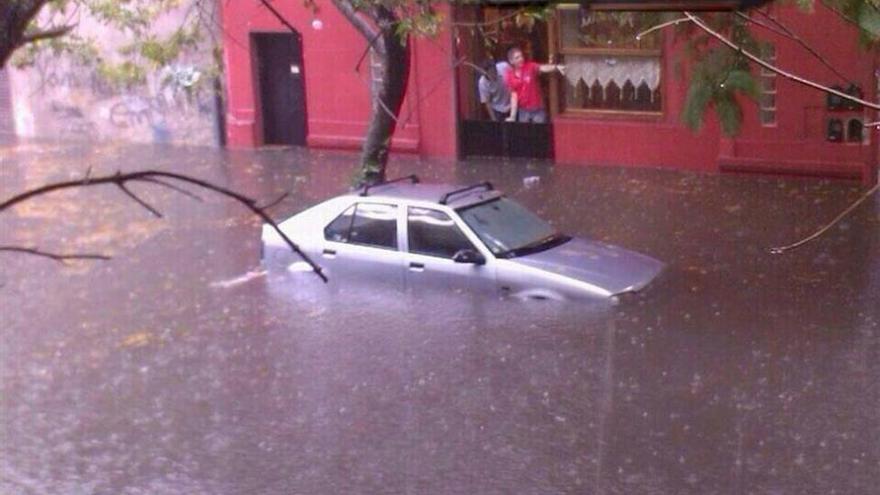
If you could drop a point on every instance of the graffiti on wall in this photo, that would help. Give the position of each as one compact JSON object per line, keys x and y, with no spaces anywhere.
{"x":175,"y":104}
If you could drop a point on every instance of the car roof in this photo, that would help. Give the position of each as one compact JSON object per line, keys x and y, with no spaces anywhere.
{"x":431,"y":193}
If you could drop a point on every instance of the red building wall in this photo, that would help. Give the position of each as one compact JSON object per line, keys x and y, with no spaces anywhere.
{"x":338,"y":101}
{"x":623,"y":140}
{"x":337,"y":97}
{"x":798,"y":142}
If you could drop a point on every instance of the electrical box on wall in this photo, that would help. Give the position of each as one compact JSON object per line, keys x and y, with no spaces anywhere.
{"x":836,"y":102}
{"x":833,"y":101}
{"x":834,"y":131}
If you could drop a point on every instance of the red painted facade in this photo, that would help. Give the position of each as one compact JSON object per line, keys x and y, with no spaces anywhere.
{"x":337,"y":97}
{"x":337,"y":100}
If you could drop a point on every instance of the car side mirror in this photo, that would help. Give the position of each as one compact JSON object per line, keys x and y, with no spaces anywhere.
{"x":469,"y":256}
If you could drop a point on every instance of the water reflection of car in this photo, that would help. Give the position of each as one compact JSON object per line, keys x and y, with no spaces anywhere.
{"x":464,"y":238}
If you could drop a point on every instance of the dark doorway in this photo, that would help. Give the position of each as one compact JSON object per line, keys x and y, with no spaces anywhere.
{"x":282,"y":99}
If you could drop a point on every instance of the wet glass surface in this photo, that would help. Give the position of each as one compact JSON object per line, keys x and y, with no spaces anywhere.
{"x":181,"y":367}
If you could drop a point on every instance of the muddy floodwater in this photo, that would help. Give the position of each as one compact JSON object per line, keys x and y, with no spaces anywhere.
{"x":180,"y":367}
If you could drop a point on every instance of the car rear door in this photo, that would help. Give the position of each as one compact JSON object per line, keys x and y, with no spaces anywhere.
{"x":362,"y":245}
{"x":432,"y":239}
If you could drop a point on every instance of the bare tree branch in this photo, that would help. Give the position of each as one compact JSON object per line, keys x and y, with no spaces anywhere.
{"x":674,"y":22}
{"x":275,"y":201}
{"x":366,"y":29}
{"x":838,"y":218}
{"x":278,"y":15}
{"x":151,"y":176}
{"x":758,"y":60}
{"x":46,"y":34}
{"x":492,"y":22}
{"x":138,"y":200}
{"x":785,"y":31}
{"x":55,"y":256}
{"x":357,"y":66}
{"x":175,"y":188}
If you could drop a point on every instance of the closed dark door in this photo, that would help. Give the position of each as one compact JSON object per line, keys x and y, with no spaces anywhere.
{"x":280,"y":83}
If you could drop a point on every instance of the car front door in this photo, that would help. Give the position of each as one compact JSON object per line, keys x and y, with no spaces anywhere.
{"x":433,"y":239}
{"x":361,"y":245}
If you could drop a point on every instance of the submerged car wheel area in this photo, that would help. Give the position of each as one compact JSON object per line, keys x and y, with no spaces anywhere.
{"x":429,"y":236}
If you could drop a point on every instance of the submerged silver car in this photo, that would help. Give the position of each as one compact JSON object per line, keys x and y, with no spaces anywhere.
{"x":463,"y":238}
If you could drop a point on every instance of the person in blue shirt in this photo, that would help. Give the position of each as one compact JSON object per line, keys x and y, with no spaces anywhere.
{"x":494,"y":94}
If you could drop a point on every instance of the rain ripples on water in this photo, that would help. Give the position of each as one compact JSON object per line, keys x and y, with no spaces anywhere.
{"x":181,"y":367}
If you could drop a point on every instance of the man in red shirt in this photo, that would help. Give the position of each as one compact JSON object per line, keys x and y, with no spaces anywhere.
{"x":526,"y":101}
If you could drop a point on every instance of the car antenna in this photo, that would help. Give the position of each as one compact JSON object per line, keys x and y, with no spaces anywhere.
{"x":413,"y":178}
{"x":482,"y":185}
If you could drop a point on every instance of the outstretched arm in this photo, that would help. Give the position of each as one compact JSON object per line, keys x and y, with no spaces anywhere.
{"x":545,"y":68}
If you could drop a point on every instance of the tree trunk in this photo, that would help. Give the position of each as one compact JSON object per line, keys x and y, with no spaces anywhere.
{"x":390,"y":76}
{"x":389,"y":73}
{"x":15,"y":16}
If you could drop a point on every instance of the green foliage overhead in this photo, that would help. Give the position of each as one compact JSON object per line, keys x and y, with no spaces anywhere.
{"x":136,"y":20}
{"x":720,"y":77}
{"x":863,"y":13}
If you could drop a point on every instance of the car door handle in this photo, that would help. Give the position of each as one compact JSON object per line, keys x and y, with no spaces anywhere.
{"x":329,"y":253}
{"x":416,"y":267}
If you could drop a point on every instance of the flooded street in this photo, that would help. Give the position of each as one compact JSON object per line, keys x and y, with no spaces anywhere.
{"x":180,"y":367}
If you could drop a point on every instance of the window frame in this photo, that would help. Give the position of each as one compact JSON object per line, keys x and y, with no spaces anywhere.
{"x":451,"y":215}
{"x":348,"y":242}
{"x":556,"y":50}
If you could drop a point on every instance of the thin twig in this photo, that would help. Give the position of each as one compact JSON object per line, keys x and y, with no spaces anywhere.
{"x":51,"y":33}
{"x":278,"y":16}
{"x":838,"y":218}
{"x":758,"y":60}
{"x":658,"y":27}
{"x":133,"y":196}
{"x":357,"y":67}
{"x":791,"y":35}
{"x":387,"y":110}
{"x":55,"y":256}
{"x":768,"y":27}
{"x":276,"y":201}
{"x":488,"y":23}
{"x":173,"y":187}
{"x":433,"y":88}
{"x":120,"y":180}
{"x":348,"y":10}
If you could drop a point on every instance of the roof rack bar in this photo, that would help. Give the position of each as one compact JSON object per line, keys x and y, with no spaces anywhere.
{"x":412,"y":178}
{"x":482,"y":185}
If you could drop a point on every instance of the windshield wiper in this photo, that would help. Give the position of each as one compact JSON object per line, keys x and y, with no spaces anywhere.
{"x":542,"y":244}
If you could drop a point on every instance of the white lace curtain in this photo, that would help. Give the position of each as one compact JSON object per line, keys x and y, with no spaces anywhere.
{"x":605,"y":69}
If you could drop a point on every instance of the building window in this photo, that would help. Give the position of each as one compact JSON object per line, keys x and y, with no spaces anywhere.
{"x":855,"y":131}
{"x":767,"y":101}
{"x":607,"y":67}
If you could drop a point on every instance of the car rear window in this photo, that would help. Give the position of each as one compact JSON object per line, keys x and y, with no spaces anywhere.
{"x":370,"y":224}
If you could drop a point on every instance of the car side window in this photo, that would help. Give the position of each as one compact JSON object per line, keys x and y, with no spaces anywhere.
{"x":370,"y":224}
{"x":339,"y":228}
{"x":433,"y":233}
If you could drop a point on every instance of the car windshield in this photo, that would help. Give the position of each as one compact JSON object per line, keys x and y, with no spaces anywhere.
{"x":508,"y":229}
